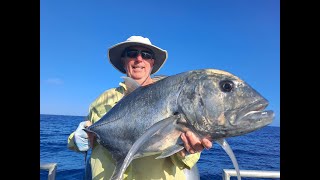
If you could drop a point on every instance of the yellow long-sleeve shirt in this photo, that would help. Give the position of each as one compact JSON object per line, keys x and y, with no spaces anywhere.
{"x":146,"y":168}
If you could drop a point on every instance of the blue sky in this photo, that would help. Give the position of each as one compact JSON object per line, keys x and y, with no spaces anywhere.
{"x":242,"y":37}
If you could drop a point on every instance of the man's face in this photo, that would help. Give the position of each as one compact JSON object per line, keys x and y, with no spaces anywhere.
{"x":137,"y":67}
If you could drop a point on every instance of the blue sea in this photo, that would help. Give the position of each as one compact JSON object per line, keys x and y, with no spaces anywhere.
{"x":258,"y":150}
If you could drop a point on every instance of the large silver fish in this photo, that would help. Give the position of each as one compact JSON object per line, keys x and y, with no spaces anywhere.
{"x":211,"y":103}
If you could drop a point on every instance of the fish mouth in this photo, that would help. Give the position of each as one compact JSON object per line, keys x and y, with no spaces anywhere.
{"x":254,"y":115}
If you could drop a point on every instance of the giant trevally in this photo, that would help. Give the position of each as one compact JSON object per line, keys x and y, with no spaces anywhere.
{"x":211,"y":103}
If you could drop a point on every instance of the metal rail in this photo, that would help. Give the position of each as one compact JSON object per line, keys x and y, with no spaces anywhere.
{"x":51,"y":167}
{"x":227,"y":173}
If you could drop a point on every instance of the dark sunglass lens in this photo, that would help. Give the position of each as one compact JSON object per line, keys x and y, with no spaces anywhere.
{"x":132,"y":53}
{"x":146,"y":55}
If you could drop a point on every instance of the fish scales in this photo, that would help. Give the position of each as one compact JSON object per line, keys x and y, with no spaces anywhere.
{"x":211,"y":103}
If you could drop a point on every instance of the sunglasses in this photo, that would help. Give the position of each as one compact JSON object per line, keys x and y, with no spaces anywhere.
{"x":133,"y":53}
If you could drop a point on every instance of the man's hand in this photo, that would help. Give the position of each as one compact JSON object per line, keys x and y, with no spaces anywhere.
{"x":193,"y":144}
{"x":91,"y":136}
{"x":83,"y":139}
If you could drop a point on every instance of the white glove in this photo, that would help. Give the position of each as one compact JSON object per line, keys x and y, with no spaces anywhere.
{"x":81,"y":138}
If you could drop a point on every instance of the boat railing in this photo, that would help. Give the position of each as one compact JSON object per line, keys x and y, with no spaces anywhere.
{"x":51,"y":167}
{"x":227,"y":173}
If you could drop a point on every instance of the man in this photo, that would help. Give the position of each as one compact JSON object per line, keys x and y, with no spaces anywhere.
{"x":139,"y":59}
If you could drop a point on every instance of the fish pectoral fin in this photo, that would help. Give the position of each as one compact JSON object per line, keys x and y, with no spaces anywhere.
{"x":170,"y":151}
{"x":226,"y":147}
{"x":118,"y":171}
{"x":134,"y":150}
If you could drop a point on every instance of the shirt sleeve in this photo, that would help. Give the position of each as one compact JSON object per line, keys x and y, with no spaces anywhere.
{"x":187,"y":162}
{"x":71,"y":145}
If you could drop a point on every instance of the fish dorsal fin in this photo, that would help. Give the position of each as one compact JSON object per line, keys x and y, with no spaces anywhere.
{"x":144,"y":138}
{"x":131,"y":84}
{"x":158,"y":77}
{"x":223,"y":143}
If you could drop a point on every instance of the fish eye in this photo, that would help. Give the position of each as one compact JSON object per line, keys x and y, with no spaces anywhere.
{"x":226,"y":85}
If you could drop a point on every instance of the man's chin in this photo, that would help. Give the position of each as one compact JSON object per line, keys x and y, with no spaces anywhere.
{"x":138,"y":75}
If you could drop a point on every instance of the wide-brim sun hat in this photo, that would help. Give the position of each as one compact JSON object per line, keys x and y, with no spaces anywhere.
{"x":115,"y":52}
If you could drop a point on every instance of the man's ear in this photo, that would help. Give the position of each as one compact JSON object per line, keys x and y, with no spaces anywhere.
{"x":152,"y":63}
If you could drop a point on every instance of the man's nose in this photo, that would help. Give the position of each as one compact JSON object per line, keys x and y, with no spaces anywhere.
{"x":139,"y":58}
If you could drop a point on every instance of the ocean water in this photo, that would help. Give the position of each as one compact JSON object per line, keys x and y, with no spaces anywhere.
{"x":258,"y":150}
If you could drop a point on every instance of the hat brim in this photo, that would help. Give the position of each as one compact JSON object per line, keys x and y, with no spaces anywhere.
{"x":115,"y":52}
